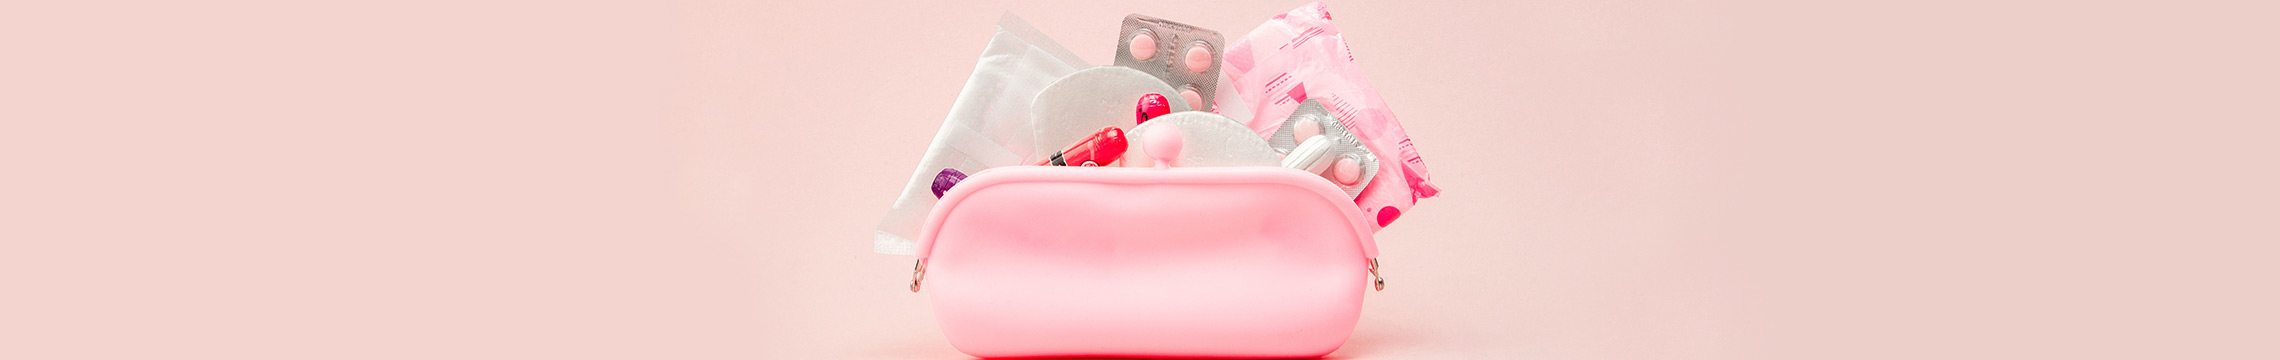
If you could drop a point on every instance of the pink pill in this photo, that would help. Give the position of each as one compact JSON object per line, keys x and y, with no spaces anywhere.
{"x":1150,"y":107}
{"x":1194,"y":100}
{"x":1199,"y":58}
{"x":1306,"y":130}
{"x":1347,"y":171}
{"x":1143,"y":46}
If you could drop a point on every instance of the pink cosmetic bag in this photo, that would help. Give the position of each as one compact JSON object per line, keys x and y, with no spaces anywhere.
{"x":1249,"y":262}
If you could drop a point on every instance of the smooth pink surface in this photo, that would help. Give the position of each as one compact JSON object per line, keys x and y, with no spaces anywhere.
{"x":1257,"y":262}
{"x":1163,"y":147}
{"x":1624,"y":179}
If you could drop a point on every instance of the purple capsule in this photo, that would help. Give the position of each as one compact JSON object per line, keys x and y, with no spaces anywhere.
{"x":946,"y":179}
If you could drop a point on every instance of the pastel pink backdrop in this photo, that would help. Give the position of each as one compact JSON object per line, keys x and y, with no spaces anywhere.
{"x":1645,"y":180}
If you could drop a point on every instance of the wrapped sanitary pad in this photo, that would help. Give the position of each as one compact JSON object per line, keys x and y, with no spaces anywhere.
{"x":1300,"y":56}
{"x":988,"y":127}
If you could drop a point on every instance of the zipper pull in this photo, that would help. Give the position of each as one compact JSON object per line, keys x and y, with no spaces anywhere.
{"x":918,"y":274}
{"x":1379,"y":280}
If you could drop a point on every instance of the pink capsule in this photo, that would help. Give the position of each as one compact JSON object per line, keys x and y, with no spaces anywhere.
{"x":1152,"y":106}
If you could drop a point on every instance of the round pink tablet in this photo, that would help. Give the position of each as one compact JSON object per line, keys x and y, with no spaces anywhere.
{"x":1194,"y":100}
{"x":1347,"y":171}
{"x":1199,"y":58}
{"x":1143,"y":46}
{"x":1306,"y":130}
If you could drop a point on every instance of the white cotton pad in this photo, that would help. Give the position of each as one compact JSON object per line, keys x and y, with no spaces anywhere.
{"x":1082,"y":103}
{"x":1206,"y":140}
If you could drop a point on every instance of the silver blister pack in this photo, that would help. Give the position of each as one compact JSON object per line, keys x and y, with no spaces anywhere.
{"x":1341,"y":144}
{"x":1165,"y":51}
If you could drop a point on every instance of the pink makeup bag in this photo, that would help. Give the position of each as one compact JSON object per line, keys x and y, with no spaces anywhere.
{"x":1249,"y":262}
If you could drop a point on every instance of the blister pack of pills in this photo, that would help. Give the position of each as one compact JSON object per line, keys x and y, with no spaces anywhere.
{"x":1184,"y":56}
{"x":1312,"y":139}
{"x":1301,"y":56}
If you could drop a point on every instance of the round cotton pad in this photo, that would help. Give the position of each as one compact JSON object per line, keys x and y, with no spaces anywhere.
{"x":1206,"y":139}
{"x":1078,"y":105}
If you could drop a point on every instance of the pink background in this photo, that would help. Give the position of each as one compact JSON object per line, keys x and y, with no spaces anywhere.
{"x":1645,"y":180}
